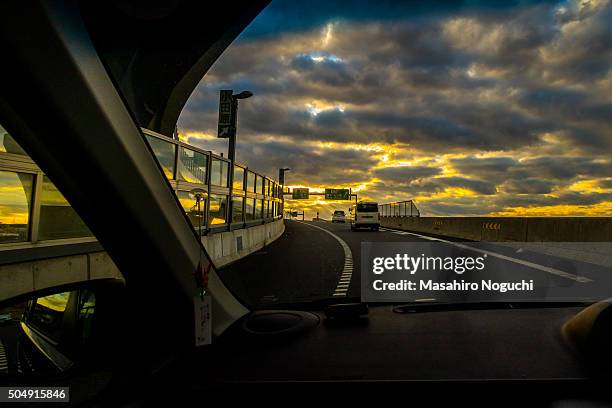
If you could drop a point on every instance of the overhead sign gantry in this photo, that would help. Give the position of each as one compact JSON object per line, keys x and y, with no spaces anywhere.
{"x":342,"y":194}
{"x":300,"y":194}
{"x":337,"y":194}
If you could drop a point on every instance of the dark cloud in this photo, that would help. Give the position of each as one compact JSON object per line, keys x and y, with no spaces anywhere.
{"x":283,"y":16}
{"x":318,"y":166}
{"x":521,"y":90}
{"x":569,"y":198}
{"x":477,"y":186}
{"x":401,"y":68}
{"x":549,"y":168}
{"x":331,"y":118}
{"x":529,"y":186}
{"x":463,"y":208}
{"x":584,"y":51}
{"x":327,"y":71}
{"x":564,"y":168}
{"x":405,"y":174}
{"x":486,"y":166}
{"x":587,"y":119}
{"x":439,"y":184}
{"x":407,"y":182}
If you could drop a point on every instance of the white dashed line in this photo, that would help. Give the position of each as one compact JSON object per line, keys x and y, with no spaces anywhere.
{"x":347,"y":269}
{"x":532,"y":265}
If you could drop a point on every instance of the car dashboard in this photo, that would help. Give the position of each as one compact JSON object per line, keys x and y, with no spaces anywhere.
{"x":519,"y":351}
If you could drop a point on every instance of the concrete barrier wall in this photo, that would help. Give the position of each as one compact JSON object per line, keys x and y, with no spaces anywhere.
{"x":227,"y":247}
{"x":224,"y":248}
{"x":509,"y":229}
{"x":24,"y":277}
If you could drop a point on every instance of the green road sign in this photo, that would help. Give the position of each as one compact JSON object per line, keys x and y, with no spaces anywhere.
{"x":227,"y":115}
{"x":337,"y":194}
{"x":300,"y":194}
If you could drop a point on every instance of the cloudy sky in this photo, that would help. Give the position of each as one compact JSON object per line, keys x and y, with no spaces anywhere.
{"x":467,"y":109}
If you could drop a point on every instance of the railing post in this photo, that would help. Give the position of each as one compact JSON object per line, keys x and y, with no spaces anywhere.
{"x":207,"y":206}
{"x":34,"y":220}
{"x":230,"y":206}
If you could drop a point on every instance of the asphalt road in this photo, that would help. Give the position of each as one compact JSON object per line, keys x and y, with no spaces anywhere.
{"x":316,"y":260}
{"x":304,"y":264}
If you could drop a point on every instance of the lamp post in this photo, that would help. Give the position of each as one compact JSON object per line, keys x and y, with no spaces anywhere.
{"x":281,"y":181}
{"x":281,"y":175}
{"x":227,"y":128}
{"x":231,"y":154}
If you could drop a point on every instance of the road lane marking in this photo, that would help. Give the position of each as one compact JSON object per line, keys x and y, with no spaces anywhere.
{"x":347,"y":269}
{"x":532,"y":265}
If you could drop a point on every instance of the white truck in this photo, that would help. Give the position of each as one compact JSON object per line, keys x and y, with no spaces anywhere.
{"x":365,"y":215}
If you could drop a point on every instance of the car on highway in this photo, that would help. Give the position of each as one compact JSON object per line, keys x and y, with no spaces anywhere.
{"x":365,"y":215}
{"x":339,"y":216}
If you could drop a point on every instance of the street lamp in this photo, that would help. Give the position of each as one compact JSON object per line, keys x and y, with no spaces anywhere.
{"x":243,"y":95}
{"x":232,"y":139}
{"x":281,"y":175}
{"x":228,"y":112}
{"x":281,"y":181}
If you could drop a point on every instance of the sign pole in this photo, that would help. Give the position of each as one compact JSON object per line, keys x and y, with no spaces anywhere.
{"x":281,"y":182}
{"x":231,"y":153}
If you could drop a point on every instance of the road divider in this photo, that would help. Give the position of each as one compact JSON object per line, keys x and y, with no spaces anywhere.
{"x":227,"y":247}
{"x":509,"y":229}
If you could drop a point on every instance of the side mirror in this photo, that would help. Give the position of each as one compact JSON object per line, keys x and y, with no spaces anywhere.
{"x":64,"y":331}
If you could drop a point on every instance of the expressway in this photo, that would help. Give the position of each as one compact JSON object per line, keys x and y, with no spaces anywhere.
{"x":318,"y":260}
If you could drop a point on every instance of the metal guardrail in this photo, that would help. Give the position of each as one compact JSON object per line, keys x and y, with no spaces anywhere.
{"x":35,"y":215}
{"x":399,"y":209}
{"x":251,"y":199}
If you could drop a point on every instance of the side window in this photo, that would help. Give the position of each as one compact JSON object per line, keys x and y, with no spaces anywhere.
{"x":57,"y":218}
{"x":47,"y":314}
{"x":15,"y":205}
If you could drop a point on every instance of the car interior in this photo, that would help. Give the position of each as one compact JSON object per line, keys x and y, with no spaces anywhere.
{"x":81,"y":80}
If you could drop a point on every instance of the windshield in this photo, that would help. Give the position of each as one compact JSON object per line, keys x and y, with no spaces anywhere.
{"x":487,"y":124}
{"x":367,"y":207}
